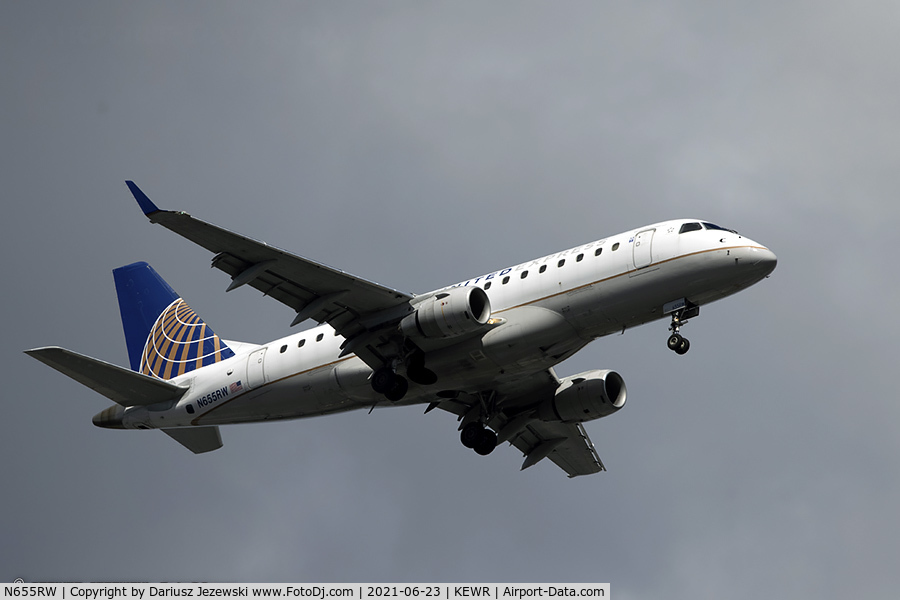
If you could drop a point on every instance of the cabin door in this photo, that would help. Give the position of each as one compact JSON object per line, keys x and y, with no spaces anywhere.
{"x":643,"y":246}
{"x":256,"y":375}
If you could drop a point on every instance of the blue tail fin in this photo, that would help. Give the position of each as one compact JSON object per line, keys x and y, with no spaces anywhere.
{"x":165,"y":337}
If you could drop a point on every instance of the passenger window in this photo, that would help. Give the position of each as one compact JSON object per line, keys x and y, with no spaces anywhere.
{"x":561,"y":263}
{"x":284,"y":349}
{"x":319,"y":337}
{"x":543,"y":268}
{"x":506,"y":280}
{"x":523,"y":275}
{"x":487,"y":286}
{"x":301,"y":342}
{"x":598,"y":251}
{"x":690,"y":227}
{"x":579,"y":257}
{"x":615,"y":246}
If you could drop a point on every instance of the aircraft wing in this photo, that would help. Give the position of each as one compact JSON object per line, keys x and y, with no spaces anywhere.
{"x":354,"y":306}
{"x":566,"y":444}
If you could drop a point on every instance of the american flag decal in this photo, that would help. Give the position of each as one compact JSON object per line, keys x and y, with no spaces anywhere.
{"x":235,"y":387}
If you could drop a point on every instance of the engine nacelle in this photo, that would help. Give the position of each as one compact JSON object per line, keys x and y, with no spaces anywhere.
{"x":585,"y":397}
{"x":449,"y":313}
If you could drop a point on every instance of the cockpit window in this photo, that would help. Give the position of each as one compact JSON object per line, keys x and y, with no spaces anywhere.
{"x":690,"y":227}
{"x":716,"y":227}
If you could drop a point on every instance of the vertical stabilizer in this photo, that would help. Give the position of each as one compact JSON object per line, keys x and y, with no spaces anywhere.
{"x":165,"y":337}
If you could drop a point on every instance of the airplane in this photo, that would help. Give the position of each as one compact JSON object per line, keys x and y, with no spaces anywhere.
{"x":483,"y":349}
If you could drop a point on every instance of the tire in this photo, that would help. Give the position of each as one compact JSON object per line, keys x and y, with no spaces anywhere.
{"x":398,"y":389}
{"x":674,"y":341}
{"x":470,"y":434}
{"x":487,"y":441}
{"x":383,"y":380}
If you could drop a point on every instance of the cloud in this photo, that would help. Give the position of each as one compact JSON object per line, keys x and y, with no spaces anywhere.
{"x":419,"y":145}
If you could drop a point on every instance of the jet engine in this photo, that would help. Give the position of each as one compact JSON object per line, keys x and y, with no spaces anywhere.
{"x":585,"y":397}
{"x":450,"y":313}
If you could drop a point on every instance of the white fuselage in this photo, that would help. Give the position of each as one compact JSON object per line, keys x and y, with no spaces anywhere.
{"x":543,"y":311}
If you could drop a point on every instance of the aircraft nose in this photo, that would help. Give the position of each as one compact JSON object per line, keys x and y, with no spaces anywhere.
{"x":765,"y":259}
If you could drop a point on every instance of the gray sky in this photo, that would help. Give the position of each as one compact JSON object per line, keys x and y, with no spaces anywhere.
{"x":418,"y":145}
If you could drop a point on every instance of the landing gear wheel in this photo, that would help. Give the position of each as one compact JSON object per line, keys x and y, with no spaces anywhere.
{"x":675,"y":341}
{"x":486,"y":442}
{"x":683,"y":347}
{"x":470,"y":434}
{"x":383,"y":380}
{"x":398,"y":389}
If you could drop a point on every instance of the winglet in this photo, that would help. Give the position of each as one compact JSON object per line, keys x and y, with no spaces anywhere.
{"x":143,"y":201}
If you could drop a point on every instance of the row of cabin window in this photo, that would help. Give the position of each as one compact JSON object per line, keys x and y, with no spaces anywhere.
{"x":300,"y":344}
{"x":561,"y":262}
{"x":487,"y":286}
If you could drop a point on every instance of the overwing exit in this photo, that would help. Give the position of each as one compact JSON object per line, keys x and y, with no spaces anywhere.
{"x":483,"y":349}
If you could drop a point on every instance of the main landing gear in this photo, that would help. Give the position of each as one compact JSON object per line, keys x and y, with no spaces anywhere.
{"x":479,"y":438}
{"x":676,"y":342}
{"x":474,"y":434}
{"x":392,"y":385}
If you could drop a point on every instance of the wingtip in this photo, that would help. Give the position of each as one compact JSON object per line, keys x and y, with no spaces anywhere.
{"x":36,"y":352}
{"x":143,"y":201}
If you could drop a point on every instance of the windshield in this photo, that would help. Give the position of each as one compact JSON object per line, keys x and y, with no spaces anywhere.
{"x":711,"y":226}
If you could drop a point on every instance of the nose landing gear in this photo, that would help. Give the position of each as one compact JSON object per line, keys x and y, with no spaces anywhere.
{"x":681,"y":310}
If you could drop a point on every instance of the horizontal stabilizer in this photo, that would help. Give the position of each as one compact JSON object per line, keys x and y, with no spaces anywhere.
{"x":196,"y":439}
{"x":122,"y":386}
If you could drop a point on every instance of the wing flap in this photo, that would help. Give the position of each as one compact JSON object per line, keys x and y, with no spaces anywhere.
{"x":567,"y":445}
{"x":122,"y":386}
